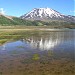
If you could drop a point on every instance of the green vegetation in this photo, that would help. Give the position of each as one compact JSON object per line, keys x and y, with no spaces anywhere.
{"x":36,"y":57}
{"x":22,"y":22}
{"x":4,"y":21}
{"x":3,"y":41}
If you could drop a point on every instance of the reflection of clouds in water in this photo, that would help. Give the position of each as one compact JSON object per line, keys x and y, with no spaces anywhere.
{"x":44,"y":43}
{"x":47,"y":44}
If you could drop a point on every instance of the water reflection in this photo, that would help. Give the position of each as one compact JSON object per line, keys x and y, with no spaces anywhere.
{"x":52,"y":40}
{"x":44,"y":43}
{"x":50,"y":51}
{"x":4,"y":47}
{"x":48,"y":41}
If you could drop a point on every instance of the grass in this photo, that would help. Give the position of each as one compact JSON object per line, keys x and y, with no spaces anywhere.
{"x":11,"y":32}
{"x":31,"y":27}
{"x":3,"y":41}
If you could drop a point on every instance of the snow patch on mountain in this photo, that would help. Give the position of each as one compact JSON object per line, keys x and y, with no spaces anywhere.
{"x":46,"y":14}
{"x":42,"y":13}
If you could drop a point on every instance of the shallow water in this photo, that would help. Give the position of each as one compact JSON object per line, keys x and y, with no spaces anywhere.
{"x":47,"y":49}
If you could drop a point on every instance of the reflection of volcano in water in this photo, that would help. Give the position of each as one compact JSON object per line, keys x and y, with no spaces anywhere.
{"x":44,"y":43}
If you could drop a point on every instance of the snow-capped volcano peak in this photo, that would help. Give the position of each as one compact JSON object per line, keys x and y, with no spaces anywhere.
{"x":39,"y":13}
{"x":46,"y":14}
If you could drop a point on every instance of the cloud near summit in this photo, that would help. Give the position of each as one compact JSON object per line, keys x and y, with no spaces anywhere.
{"x":2,"y":11}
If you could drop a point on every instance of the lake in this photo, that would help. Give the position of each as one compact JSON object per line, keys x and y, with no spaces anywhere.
{"x":38,"y":53}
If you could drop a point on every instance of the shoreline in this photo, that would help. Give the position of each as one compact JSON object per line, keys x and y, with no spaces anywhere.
{"x":37,"y":29}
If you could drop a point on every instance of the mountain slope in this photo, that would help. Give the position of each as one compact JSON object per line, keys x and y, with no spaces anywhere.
{"x":10,"y":20}
{"x":6,"y":20}
{"x":46,"y":14}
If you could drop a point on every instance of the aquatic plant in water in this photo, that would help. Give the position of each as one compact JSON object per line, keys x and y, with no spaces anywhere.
{"x":36,"y":57}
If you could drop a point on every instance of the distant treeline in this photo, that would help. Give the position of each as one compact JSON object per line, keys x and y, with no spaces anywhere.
{"x":17,"y":21}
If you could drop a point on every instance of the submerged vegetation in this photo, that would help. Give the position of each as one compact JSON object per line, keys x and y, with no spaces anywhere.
{"x":36,"y":57}
{"x":18,"y":62}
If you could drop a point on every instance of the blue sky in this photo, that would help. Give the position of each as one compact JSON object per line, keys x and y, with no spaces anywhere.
{"x":20,"y":7}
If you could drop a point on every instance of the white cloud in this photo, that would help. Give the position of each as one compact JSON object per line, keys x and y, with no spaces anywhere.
{"x":72,"y":11}
{"x":2,"y":11}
